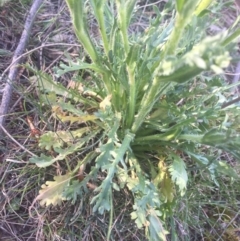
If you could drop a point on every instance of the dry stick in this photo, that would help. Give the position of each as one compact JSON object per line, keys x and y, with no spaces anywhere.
{"x":235,"y":80}
{"x":7,"y":94}
{"x":226,"y":104}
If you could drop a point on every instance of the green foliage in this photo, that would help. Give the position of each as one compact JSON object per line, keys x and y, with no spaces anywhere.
{"x":178,"y":173}
{"x":52,"y":191}
{"x":146,"y":112}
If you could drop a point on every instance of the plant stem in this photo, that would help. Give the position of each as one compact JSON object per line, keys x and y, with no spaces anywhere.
{"x":77,"y":13}
{"x":190,"y":137}
{"x":148,"y":101}
{"x":132,"y":97}
{"x":182,"y":19}
{"x":110,"y":217}
{"x":98,"y":7}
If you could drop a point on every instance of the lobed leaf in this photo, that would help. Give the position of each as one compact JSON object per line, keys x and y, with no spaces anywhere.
{"x":52,"y":191}
{"x":57,"y":139}
{"x":156,"y":232}
{"x":178,"y":173}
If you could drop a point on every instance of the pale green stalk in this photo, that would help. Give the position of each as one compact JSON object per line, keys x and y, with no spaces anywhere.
{"x":191,"y":137}
{"x":231,"y":38}
{"x":98,"y":7}
{"x":148,"y":102}
{"x":110,"y":218}
{"x":175,"y":36}
{"x":132,"y":97}
{"x":125,"y":12}
{"x":76,"y":8}
{"x":182,"y":19}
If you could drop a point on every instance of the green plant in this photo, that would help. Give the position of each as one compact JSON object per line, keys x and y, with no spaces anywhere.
{"x":145,"y":112}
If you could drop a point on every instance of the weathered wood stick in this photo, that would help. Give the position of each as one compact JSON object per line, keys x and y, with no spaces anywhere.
{"x":13,"y":72}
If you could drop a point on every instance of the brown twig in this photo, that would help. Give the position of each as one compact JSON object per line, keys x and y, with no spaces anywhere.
{"x":13,"y":72}
{"x":226,"y":104}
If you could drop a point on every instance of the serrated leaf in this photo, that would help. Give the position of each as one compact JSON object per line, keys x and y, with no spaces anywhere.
{"x":74,"y":119}
{"x":178,"y":173}
{"x":64,"y":116}
{"x":49,"y":99}
{"x":155,"y":228}
{"x":49,"y":140}
{"x":51,"y":192}
{"x":224,"y":168}
{"x":201,"y":160}
{"x":164,"y":182}
{"x":57,"y":139}
{"x":139,"y":216}
{"x":44,"y":161}
{"x":70,"y":108}
{"x":76,"y":66}
{"x":103,"y":199}
{"x":72,"y":191}
{"x":133,"y":215}
{"x":45,"y":83}
{"x":215,"y":137}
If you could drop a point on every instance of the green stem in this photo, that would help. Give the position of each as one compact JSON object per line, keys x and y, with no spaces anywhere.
{"x":125,"y":10}
{"x":125,"y":40}
{"x":76,"y":8}
{"x":231,"y":38}
{"x":191,"y":137}
{"x":106,"y":79}
{"x":103,"y":33}
{"x":98,"y":7}
{"x":148,"y":102}
{"x":175,"y":36}
{"x":89,"y":157}
{"x":110,"y":217}
{"x":183,"y":17}
{"x":132,"y":97}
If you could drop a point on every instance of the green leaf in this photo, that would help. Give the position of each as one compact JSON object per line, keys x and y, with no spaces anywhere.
{"x":42,"y":161}
{"x":224,"y":168}
{"x":155,"y":229}
{"x":167,"y":136}
{"x":112,"y":154}
{"x":203,"y":5}
{"x":73,"y":191}
{"x":63,"y":68}
{"x":46,"y":84}
{"x":80,"y":26}
{"x":163,"y":181}
{"x":57,"y":139}
{"x":51,"y":192}
{"x":203,"y":161}
{"x":231,"y":37}
{"x":215,"y":137}
{"x":178,"y":173}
